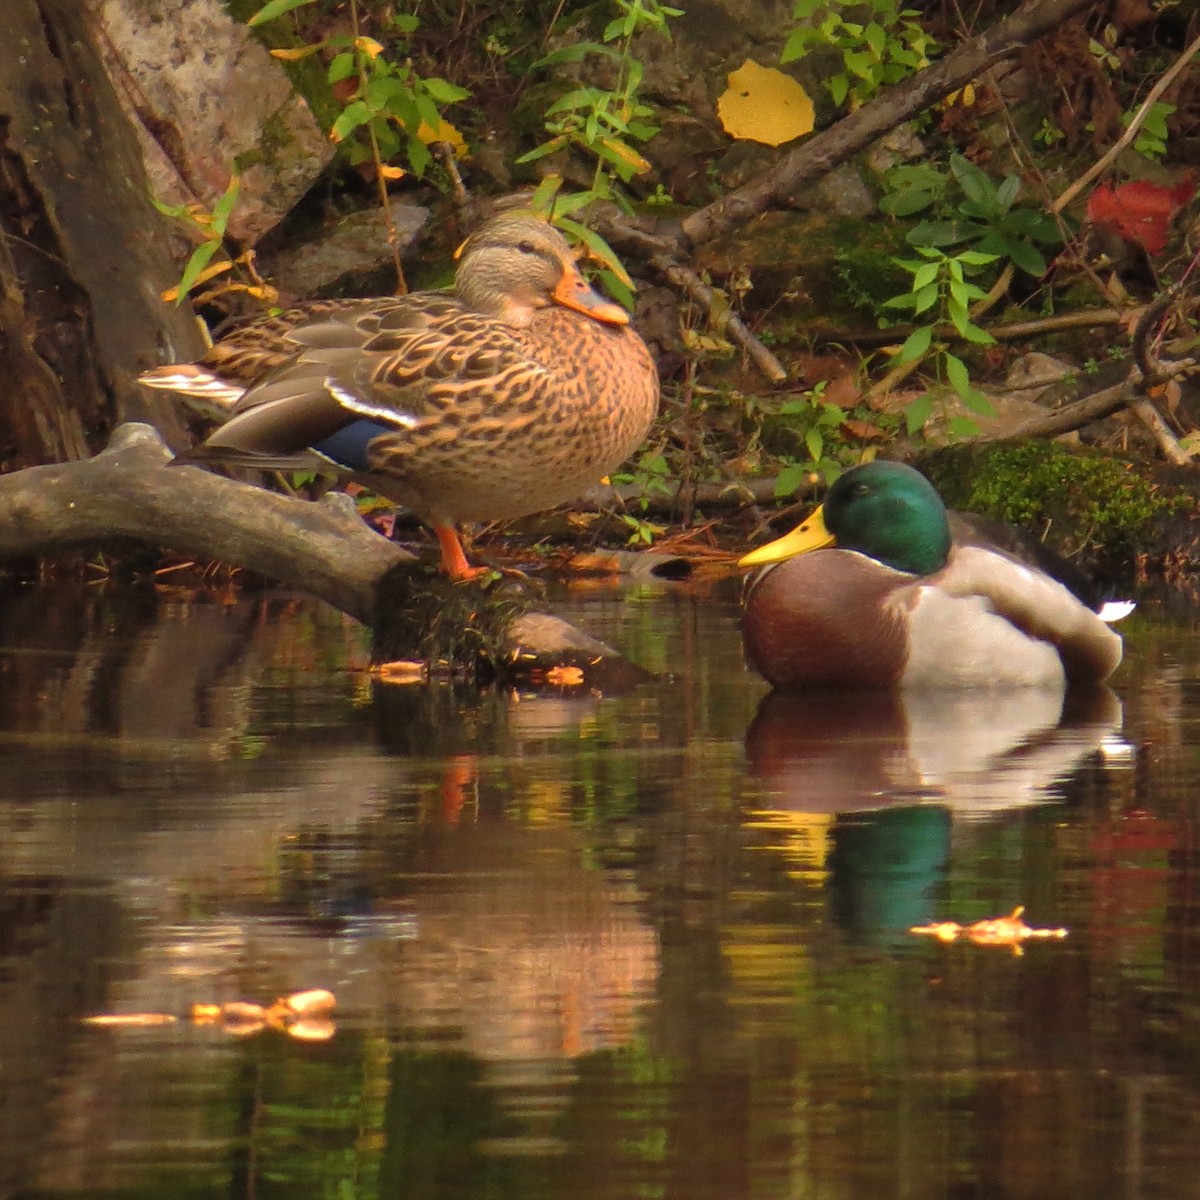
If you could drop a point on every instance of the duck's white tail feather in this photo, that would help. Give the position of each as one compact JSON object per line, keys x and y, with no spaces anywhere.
{"x":196,"y":382}
{"x":1115,"y":610}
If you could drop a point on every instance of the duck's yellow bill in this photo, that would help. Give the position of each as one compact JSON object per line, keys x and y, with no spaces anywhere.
{"x":809,"y":535}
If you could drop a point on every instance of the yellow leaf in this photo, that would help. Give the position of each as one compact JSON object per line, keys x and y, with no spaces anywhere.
{"x":626,"y":153}
{"x":445,"y":132}
{"x":295,"y":53}
{"x":762,"y":104}
{"x":391,"y":172}
{"x":369,"y":46}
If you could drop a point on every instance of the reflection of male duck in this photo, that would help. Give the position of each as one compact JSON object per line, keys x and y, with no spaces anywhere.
{"x":893,"y":769}
{"x":974,"y":752}
{"x":878,"y":589}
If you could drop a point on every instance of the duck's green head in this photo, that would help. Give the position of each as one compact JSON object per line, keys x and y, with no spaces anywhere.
{"x":884,"y":510}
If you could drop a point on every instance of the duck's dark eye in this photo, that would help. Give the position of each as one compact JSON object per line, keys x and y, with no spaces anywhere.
{"x":527,"y":247}
{"x":861,"y":489}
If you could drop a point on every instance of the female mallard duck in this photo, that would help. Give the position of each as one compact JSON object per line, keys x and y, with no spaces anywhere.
{"x":901,"y":602}
{"x":512,"y":394}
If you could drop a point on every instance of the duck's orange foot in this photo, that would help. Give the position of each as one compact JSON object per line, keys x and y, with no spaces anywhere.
{"x":454,"y":559}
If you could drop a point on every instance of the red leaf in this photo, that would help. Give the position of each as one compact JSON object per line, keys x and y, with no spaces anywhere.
{"x":1139,"y":212}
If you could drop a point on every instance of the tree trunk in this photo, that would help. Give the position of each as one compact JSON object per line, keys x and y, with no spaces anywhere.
{"x":83,"y":253}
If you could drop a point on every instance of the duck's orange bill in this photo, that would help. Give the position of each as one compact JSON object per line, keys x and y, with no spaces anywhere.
{"x":573,"y":291}
{"x":810,"y":535}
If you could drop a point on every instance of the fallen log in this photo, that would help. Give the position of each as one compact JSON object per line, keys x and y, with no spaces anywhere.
{"x":130,"y":491}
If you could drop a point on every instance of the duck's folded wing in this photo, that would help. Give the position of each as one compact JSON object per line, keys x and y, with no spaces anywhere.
{"x":1038,"y":606}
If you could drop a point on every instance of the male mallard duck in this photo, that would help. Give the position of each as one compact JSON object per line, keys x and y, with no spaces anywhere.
{"x":900,"y":603}
{"x":512,"y":394}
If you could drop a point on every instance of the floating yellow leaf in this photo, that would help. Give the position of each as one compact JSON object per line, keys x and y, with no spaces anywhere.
{"x":992,"y":931}
{"x":762,"y":104}
{"x":134,"y":1020}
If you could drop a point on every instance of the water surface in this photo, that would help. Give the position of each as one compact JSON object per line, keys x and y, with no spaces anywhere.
{"x":651,"y":944}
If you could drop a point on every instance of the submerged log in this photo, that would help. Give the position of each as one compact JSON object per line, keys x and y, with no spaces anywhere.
{"x":130,"y":491}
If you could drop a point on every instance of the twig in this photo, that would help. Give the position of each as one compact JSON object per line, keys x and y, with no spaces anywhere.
{"x":1126,"y":139}
{"x":1077,"y":414}
{"x":1016,"y":329}
{"x":686,"y":280}
{"x":819,"y":154}
{"x":464,"y":207}
{"x":1156,"y":423}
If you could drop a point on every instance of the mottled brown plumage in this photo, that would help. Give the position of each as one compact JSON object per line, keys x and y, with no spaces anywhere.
{"x":511,"y":395}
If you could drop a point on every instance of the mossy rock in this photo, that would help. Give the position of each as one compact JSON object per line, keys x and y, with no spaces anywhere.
{"x":1119,"y":519}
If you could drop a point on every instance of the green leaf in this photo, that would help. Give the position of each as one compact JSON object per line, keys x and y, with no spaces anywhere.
{"x":577,"y":100}
{"x":934,"y":233}
{"x":550,"y":147}
{"x":916,"y":345}
{"x":904,"y":204}
{"x":276,"y":8}
{"x":963,"y":427}
{"x":975,"y":258}
{"x":342,"y":67}
{"x":977,"y":335}
{"x":957,"y":374}
{"x":1006,"y":193}
{"x":814,"y":443}
{"x":839,"y":88}
{"x":859,"y":63}
{"x":790,"y":479}
{"x":1028,"y":258}
{"x":427,"y":111}
{"x":796,"y":46}
{"x":918,"y":412}
{"x":600,"y":249}
{"x":419,"y":156}
{"x":200,"y":259}
{"x":925,"y":274}
{"x":975,"y":183}
{"x":169,"y":210}
{"x":1037,"y":226}
{"x":542,"y":200}
{"x":224,"y":207}
{"x":976,"y":401}
{"x":925,"y":298}
{"x":445,"y":92}
{"x":349,"y":119}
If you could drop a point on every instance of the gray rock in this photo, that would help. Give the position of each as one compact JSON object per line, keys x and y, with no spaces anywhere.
{"x":208,"y":100}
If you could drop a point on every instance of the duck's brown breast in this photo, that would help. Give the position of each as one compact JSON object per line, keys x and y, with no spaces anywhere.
{"x":829,"y":618}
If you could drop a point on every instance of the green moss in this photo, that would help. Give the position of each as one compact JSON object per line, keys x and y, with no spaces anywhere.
{"x":866,"y":265}
{"x":1085,"y":502}
{"x":422,"y":615}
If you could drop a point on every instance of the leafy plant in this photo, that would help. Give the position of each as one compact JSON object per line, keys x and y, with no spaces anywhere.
{"x":940,"y":286}
{"x":815,"y":420}
{"x":389,"y":103}
{"x":884,"y":46}
{"x":969,"y":206}
{"x":1153,"y":135}
{"x":969,"y":209}
{"x":200,"y":267}
{"x":605,"y":123}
